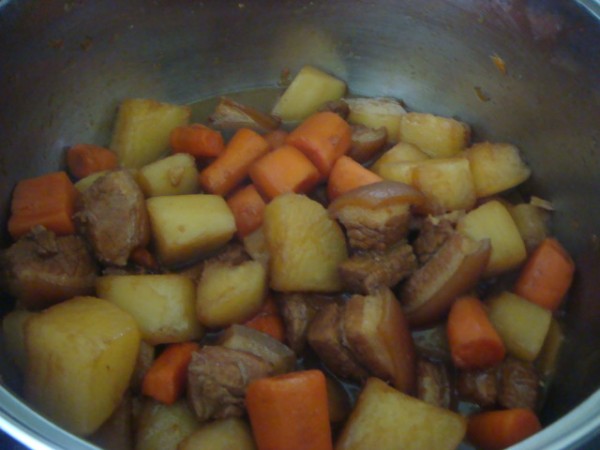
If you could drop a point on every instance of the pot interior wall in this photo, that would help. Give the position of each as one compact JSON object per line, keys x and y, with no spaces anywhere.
{"x":67,"y":64}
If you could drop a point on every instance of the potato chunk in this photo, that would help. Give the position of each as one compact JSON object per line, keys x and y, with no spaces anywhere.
{"x":162,"y":305}
{"x":174,"y":175}
{"x":305,"y":245}
{"x":376,"y":113}
{"x":163,"y":427}
{"x":142,"y":129}
{"x":493,"y":221}
{"x":387,"y":419}
{"x":439,"y":137}
{"x":228,"y":294}
{"x":496,"y":167}
{"x":521,"y":324}
{"x":225,"y":434}
{"x":81,"y":354}
{"x":309,"y":89}
{"x":399,"y":162}
{"x":185,"y":227}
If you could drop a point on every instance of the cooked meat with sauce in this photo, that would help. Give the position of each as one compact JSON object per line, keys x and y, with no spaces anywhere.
{"x":518,"y":384}
{"x":478,"y":386}
{"x":233,"y":253}
{"x":433,"y":234}
{"x":340,"y":107}
{"x":433,"y":383}
{"x":298,"y":310}
{"x":41,"y":269}
{"x":374,"y":229}
{"x":218,"y":378}
{"x":112,"y":217}
{"x":326,"y":338}
{"x":364,"y":272}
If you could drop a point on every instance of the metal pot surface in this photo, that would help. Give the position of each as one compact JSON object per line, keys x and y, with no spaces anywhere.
{"x":66,"y":64}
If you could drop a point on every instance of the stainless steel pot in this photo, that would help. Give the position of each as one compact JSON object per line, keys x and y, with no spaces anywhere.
{"x":65,"y":65}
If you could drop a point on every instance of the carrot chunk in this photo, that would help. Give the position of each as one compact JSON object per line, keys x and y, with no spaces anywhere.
{"x":268,"y":320}
{"x":474,"y":342}
{"x":198,"y":140}
{"x":283,"y":170}
{"x":86,"y":159}
{"x":323,"y":138}
{"x":48,"y":200}
{"x":248,"y":208}
{"x":346,"y":175}
{"x":231,"y":167}
{"x":290,"y":412}
{"x":496,"y":430}
{"x":547,"y":275}
{"x":165,"y":381}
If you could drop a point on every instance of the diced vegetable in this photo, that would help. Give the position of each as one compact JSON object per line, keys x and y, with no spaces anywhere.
{"x":48,"y":200}
{"x":309,"y":89}
{"x":197,"y":140}
{"x":86,"y":159}
{"x":474,"y":342}
{"x":547,"y":275}
{"x":142,"y":130}
{"x":230,"y":294}
{"x":496,"y":430}
{"x":493,"y":221}
{"x":386,"y":419}
{"x":346,"y":175}
{"x":162,"y":305}
{"x":164,"y":427}
{"x":323,"y":138}
{"x":232,"y":166}
{"x":268,"y":320}
{"x":86,"y":182}
{"x":186,"y":227}
{"x":173,"y":175}
{"x":257,"y":247}
{"x":224,"y":434}
{"x":166,"y":379}
{"x":81,"y":354}
{"x":245,"y":339}
{"x":496,"y":167}
{"x":446,"y":182}
{"x":248,"y":208}
{"x":523,"y":325}
{"x":305,"y":245}
{"x":377,"y":112}
{"x":290,"y":411}
{"x":439,"y":137}
{"x":532,"y":222}
{"x":286,"y":169}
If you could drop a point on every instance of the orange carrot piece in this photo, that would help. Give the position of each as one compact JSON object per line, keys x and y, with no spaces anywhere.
{"x":323,"y":138}
{"x":276,"y":138}
{"x":346,"y":175}
{"x":86,"y":159}
{"x":268,"y":320}
{"x":231,"y":167}
{"x":474,"y":342}
{"x":496,"y":430}
{"x":285,"y":169}
{"x":248,"y":208}
{"x":48,"y":200}
{"x":290,"y":412}
{"x":547,"y":275}
{"x":198,"y":140}
{"x":165,"y":381}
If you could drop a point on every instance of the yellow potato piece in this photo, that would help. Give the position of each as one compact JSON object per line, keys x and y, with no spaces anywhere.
{"x":309,"y":89}
{"x":142,"y":130}
{"x":164,"y":427}
{"x":162,"y":305}
{"x":386,"y":419}
{"x":187,"y":227}
{"x":81,"y":354}
{"x":173,"y":175}
{"x":305,"y":245}
{"x":439,"y":137}
{"x":225,"y":434}
{"x":376,"y":113}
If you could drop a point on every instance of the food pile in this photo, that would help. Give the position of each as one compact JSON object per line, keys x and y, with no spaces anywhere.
{"x":337,"y":273}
